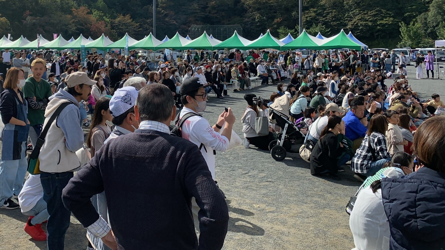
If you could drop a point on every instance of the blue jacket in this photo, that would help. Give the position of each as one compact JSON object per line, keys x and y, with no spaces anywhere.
{"x":415,"y":207}
{"x":354,"y":129}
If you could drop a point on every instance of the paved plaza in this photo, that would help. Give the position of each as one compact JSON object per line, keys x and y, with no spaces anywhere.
{"x":273,"y":205}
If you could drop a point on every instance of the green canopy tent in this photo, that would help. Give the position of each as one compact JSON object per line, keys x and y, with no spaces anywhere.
{"x":36,"y":44}
{"x":234,"y":42}
{"x":100,"y":43}
{"x":122,"y":43}
{"x":4,"y":39}
{"x":176,"y":42}
{"x":304,"y":41}
{"x":17,"y":44}
{"x":76,"y":44}
{"x":150,"y":42}
{"x":340,"y":41}
{"x":57,"y":43}
{"x":267,"y":41}
{"x":202,"y":42}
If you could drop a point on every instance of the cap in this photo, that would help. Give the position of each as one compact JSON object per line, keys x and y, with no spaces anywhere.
{"x":319,"y":74}
{"x":333,"y":107}
{"x":190,"y":85}
{"x":103,"y":67}
{"x":208,"y":67}
{"x":123,"y":100}
{"x":78,"y":78}
{"x":321,"y":89}
{"x":163,"y":66}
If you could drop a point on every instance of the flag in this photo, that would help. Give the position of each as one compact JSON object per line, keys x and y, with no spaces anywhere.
{"x":126,"y":45}
{"x":38,"y":41}
{"x":9,"y":36}
{"x":55,"y":36}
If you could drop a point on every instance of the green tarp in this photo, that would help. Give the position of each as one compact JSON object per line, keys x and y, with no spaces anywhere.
{"x":202,"y":42}
{"x":35,"y":44}
{"x":340,"y":41}
{"x":150,"y":42}
{"x":76,"y":44}
{"x":17,"y":44}
{"x":57,"y":43}
{"x":267,"y":41}
{"x":304,"y":41}
{"x":122,"y":43}
{"x":100,"y":43}
{"x":176,"y":42}
{"x":234,"y":42}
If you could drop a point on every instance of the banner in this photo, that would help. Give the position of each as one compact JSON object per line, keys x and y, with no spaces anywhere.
{"x":83,"y":53}
{"x":126,"y":45}
{"x":55,"y":36}
{"x":9,"y":36}
{"x":38,"y":41}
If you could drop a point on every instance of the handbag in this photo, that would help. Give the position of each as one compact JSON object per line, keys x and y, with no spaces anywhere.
{"x":262,"y":126}
{"x":353,"y":199}
{"x":84,"y":155}
{"x":33,"y":159}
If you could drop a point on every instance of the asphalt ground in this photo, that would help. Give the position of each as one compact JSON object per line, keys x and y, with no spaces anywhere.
{"x":273,"y":205}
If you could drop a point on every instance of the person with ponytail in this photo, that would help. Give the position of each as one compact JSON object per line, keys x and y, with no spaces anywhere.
{"x":248,"y":120}
{"x":299,"y":102}
{"x":324,"y":157}
{"x":368,"y":222}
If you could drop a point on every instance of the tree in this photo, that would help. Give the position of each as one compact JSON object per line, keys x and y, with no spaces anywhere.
{"x":5,"y":26}
{"x":124,"y":24}
{"x":436,"y":15}
{"x":411,"y":35}
{"x":314,"y":29}
{"x":441,"y":31}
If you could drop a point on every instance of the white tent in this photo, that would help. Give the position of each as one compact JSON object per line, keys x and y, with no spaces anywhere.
{"x":440,"y":44}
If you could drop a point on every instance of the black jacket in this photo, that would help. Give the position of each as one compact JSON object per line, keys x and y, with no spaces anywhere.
{"x":325,"y":153}
{"x":170,"y":84}
{"x":115,"y":77}
{"x":209,"y":77}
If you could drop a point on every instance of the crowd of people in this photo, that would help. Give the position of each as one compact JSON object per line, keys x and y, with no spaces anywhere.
{"x":347,"y":109}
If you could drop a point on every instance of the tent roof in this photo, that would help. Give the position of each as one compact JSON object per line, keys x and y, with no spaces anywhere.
{"x":340,"y":41}
{"x":265,"y":42}
{"x":55,"y":44}
{"x":304,"y":41}
{"x":17,"y":44}
{"x":4,"y":39}
{"x":320,"y":36}
{"x":176,"y":42}
{"x":439,"y":43}
{"x":122,"y":43}
{"x":202,"y":42}
{"x":100,"y":43}
{"x":287,"y":39}
{"x":234,"y":42}
{"x":188,"y":38}
{"x":352,"y":37}
{"x":33,"y":44}
{"x":149,"y":42}
{"x":165,"y":39}
{"x":76,"y":44}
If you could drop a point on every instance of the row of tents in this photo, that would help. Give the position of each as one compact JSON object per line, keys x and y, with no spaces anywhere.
{"x":266,"y":41}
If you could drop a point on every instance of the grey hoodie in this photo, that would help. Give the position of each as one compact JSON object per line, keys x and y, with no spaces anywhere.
{"x":64,"y":137}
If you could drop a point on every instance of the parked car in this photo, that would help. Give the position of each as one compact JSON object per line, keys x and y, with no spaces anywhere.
{"x":398,"y":52}
{"x":440,"y":55}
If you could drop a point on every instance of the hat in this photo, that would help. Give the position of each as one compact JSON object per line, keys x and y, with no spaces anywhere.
{"x":78,"y":78}
{"x":208,"y":67}
{"x":103,"y":67}
{"x":392,"y":172}
{"x":190,"y":85}
{"x":123,"y":100}
{"x":162,"y":66}
{"x":368,"y":78}
{"x":319,"y":74}
{"x":333,"y":107}
{"x":321,"y":89}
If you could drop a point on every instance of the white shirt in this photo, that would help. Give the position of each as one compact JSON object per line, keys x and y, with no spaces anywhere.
{"x":261,"y":69}
{"x":6,"y":57}
{"x":202,"y":78}
{"x":57,"y":69}
{"x":198,"y":130}
{"x":318,"y":126}
{"x":31,"y":193}
{"x":368,"y":222}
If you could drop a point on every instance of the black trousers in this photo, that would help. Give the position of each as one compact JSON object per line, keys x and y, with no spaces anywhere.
{"x":262,"y":142}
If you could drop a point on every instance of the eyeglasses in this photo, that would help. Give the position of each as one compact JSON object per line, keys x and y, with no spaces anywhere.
{"x":203,"y":96}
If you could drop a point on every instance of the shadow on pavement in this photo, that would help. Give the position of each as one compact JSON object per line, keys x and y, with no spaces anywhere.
{"x":238,"y":225}
{"x":238,"y":210}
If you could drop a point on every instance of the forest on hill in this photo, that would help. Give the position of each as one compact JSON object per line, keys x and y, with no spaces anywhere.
{"x":378,"y":23}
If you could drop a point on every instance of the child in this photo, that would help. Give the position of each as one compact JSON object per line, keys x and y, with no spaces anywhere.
{"x":306,"y":121}
{"x":394,"y":136}
{"x":401,"y":71}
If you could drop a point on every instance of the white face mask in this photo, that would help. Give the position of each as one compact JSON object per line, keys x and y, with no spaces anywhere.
{"x":21,"y":83}
{"x":176,"y":74}
{"x":189,"y":73}
{"x":201,"y":106}
{"x":208,"y":70}
{"x":408,"y":102}
{"x":103,"y":75}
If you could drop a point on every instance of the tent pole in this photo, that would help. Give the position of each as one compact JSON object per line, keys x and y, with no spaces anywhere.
{"x":154,"y":18}
{"x":300,"y":16}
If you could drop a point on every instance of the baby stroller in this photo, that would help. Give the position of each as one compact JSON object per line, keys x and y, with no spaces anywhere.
{"x":288,"y":133}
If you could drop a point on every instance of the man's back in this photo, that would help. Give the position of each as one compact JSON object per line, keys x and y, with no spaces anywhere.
{"x":149,"y":179}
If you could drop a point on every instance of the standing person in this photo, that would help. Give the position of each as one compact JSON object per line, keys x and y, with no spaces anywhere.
{"x":37,"y":91}
{"x":57,"y":157}
{"x":99,"y":90}
{"x":429,"y":64}
{"x":99,"y":130}
{"x":388,"y":64}
{"x":56,"y":69}
{"x":6,"y":57}
{"x":25,"y":65}
{"x":393,"y":60}
{"x":184,"y":174}
{"x":414,"y":205}
{"x":3,"y":67}
{"x":17,"y":61}
{"x":13,"y":165}
{"x":419,"y":66}
{"x":115,"y":74}
{"x":365,"y":61}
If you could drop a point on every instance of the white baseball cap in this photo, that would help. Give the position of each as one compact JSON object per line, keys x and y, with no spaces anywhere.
{"x":123,"y":100}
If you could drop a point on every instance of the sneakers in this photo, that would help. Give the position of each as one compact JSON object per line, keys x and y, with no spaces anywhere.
{"x":10,"y":204}
{"x":246,"y":143}
{"x":36,"y":232}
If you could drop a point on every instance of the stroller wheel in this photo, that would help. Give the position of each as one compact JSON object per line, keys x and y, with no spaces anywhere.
{"x":278,"y":153}
{"x":272,"y":144}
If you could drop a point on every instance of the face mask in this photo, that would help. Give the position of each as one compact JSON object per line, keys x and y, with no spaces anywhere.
{"x":176,"y":74}
{"x":408,"y":102}
{"x":201,"y":106}
{"x":103,"y":75}
{"x":208,"y":70}
{"x":115,"y":64}
{"x":403,"y":85}
{"x":189,"y":73}
{"x":219,"y":69}
{"x":133,"y":127}
{"x":21,"y":83}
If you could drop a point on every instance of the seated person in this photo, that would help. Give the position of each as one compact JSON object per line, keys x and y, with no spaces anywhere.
{"x":319,"y":124}
{"x":434,"y":104}
{"x":250,"y":135}
{"x":356,"y":122}
{"x":372,"y":153}
{"x":299,"y":103}
{"x":318,"y":99}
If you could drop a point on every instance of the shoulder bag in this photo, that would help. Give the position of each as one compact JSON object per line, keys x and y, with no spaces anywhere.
{"x":262,"y":125}
{"x":33,"y":159}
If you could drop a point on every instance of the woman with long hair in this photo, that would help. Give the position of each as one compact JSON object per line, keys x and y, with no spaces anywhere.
{"x":99,"y":90}
{"x":324,"y":157}
{"x":99,"y":130}
{"x":414,"y":205}
{"x":14,"y":112}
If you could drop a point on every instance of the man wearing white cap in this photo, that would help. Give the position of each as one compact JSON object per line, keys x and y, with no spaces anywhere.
{"x":122,"y":109}
{"x":58,"y":157}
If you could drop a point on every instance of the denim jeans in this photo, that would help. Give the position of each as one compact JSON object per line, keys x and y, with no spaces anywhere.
{"x":59,"y":216}
{"x":12,"y":176}
{"x":376,"y":166}
{"x":83,"y":113}
{"x":387,"y":68}
{"x":342,"y":161}
{"x":263,"y":79}
{"x":39,"y":212}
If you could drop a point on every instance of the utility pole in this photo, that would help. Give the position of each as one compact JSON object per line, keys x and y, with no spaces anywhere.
{"x":300,"y":16}
{"x":154,"y":18}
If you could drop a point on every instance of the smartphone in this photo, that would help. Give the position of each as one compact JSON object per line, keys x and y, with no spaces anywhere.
{"x":226,"y":109}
